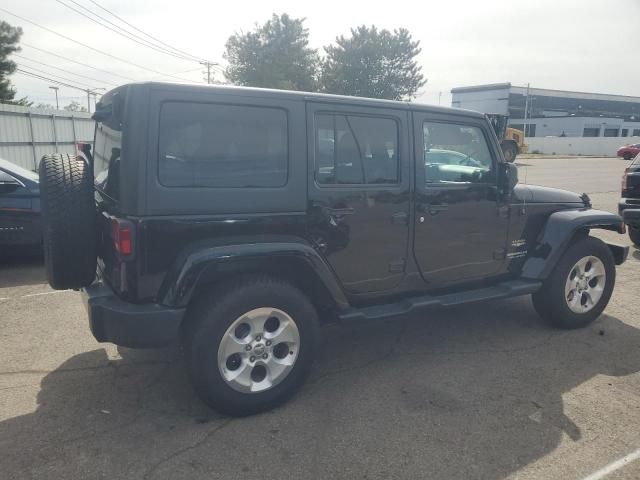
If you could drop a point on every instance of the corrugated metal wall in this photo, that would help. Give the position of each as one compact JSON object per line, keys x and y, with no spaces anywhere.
{"x":26,"y":134}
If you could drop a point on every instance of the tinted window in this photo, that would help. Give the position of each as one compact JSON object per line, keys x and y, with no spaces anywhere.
{"x":213,"y":145}
{"x":456,"y":153}
{"x":356,"y":150}
{"x":108,"y":144}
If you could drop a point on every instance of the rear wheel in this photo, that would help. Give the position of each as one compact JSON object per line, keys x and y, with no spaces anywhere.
{"x":250,"y":347}
{"x":626,"y":156}
{"x":579,"y":288}
{"x":634,"y":234}
{"x":68,"y":221}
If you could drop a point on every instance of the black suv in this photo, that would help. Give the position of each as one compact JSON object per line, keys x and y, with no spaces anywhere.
{"x":629,"y":205}
{"x":235,"y":219}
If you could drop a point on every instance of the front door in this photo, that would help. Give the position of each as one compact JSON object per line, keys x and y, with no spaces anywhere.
{"x":359,"y":180}
{"x":460,"y":219}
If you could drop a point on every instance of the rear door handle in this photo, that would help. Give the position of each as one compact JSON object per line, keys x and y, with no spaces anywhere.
{"x":437,"y":208}
{"x":400,"y":218}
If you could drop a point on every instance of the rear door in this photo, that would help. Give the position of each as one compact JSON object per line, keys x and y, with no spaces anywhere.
{"x":359,"y":182}
{"x":461,"y":220}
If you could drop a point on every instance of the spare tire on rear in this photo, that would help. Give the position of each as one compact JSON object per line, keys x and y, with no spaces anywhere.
{"x":68,"y":221}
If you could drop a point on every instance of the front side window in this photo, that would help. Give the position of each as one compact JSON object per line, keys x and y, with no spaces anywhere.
{"x":215,"y":145}
{"x":356,"y":150}
{"x":456,"y":154}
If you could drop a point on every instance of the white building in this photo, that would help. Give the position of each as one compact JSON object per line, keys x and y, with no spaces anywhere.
{"x":555,"y":113}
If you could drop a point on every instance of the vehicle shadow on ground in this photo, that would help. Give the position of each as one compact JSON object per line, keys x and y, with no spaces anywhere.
{"x":21,"y":268}
{"x":471,"y":392}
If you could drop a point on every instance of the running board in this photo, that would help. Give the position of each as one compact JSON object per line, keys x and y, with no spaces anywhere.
{"x":511,"y":288}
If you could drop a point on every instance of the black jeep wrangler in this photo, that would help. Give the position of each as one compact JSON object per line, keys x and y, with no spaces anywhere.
{"x":235,"y":219}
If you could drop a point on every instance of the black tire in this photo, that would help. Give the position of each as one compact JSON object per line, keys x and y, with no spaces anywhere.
{"x":634,"y":234}
{"x":68,"y":221}
{"x":626,"y":156}
{"x":550,"y":301}
{"x":209,"y":320}
{"x":510,"y":151}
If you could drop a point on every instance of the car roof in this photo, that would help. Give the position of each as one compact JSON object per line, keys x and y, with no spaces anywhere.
{"x":311,"y":96}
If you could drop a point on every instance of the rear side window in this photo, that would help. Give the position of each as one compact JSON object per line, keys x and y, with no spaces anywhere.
{"x":216,"y":145}
{"x":356,"y":150}
{"x":108,"y":144}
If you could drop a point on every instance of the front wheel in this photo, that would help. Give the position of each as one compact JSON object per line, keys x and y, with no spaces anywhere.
{"x":580,"y":286}
{"x":251,"y":346}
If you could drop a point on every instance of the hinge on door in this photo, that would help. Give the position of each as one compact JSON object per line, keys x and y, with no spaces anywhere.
{"x":500,"y":254}
{"x":396,"y":266}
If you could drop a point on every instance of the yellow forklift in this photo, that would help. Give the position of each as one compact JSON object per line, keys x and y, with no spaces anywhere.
{"x":511,"y":139}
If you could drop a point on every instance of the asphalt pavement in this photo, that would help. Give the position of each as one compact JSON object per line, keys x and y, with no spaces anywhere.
{"x":485,"y":391}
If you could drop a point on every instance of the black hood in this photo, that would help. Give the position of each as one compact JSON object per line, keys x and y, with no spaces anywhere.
{"x":538,"y":194}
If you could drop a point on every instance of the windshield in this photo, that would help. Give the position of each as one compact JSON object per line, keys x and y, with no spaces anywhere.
{"x":108,"y":144}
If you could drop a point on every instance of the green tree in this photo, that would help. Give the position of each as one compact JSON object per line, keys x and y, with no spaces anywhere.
{"x":373,"y":63}
{"x":9,"y":38}
{"x":75,"y":107}
{"x":274,"y":55}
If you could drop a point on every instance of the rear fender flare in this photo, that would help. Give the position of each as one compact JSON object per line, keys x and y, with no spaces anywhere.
{"x":202,"y":265}
{"x":559,"y":231}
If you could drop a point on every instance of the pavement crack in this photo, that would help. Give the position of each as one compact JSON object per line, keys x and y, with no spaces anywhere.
{"x":183,"y":450}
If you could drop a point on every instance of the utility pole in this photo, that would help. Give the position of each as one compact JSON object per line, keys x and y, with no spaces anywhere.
{"x":208,"y":65}
{"x":89,"y":92}
{"x":439,"y":97}
{"x":55,"y":89}
{"x":526,"y":112}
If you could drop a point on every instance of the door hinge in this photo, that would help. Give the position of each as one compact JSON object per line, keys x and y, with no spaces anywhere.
{"x":396,"y":266}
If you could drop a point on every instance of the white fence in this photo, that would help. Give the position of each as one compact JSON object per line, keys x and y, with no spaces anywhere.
{"x":26,"y":134}
{"x":605,"y":146}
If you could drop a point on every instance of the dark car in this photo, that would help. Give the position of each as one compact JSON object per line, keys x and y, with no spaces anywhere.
{"x":20,"y":222}
{"x":236,"y":220}
{"x":628,"y":151}
{"x":629,"y":205}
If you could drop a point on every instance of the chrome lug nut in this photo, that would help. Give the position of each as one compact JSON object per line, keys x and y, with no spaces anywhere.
{"x":268,"y":343}
{"x":258,"y":337}
{"x":265,"y":356}
{"x":252,"y":359}
{"x":247,"y":348}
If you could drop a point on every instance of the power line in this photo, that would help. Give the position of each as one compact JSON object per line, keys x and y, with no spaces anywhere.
{"x":43,"y":72}
{"x":120,"y":31}
{"x":78,"y":63}
{"x":63,"y":70}
{"x":49,"y":79}
{"x":92,"y":48}
{"x":141,"y":31}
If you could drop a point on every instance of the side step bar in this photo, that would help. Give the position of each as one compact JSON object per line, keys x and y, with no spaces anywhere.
{"x":511,"y":288}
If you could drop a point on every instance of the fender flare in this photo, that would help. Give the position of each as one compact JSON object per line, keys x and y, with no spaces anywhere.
{"x":205,"y":263}
{"x":557,"y":234}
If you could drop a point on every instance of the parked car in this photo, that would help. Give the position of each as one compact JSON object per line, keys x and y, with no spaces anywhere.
{"x":236,"y":220}
{"x":20,"y":222}
{"x":629,"y":205}
{"x":629,"y":151}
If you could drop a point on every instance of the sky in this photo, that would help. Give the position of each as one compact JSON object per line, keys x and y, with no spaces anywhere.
{"x":581,"y":45}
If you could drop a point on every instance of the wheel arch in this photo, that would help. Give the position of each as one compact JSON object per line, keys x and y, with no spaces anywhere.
{"x":204,"y":268}
{"x":561,"y":230}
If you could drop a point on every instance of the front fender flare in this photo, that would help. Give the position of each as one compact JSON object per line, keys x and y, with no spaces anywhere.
{"x":206,"y":263}
{"x":557,"y":234}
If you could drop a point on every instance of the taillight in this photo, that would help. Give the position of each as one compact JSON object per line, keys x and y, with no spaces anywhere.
{"x":122,"y":236}
{"x":625,"y":179}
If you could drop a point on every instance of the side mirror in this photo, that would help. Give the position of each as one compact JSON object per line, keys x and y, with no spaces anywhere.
{"x":508,"y":177}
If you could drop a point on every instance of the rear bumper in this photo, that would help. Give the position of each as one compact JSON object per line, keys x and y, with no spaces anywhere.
{"x":127,"y":324}
{"x":628,"y":204}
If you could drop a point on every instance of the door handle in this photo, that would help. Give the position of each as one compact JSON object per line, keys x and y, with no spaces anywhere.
{"x":341,"y":211}
{"x":400,"y":218}
{"x":434,"y":209}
